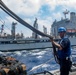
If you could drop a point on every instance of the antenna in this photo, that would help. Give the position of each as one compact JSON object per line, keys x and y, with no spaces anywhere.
{"x":2,"y":21}
{"x":65,"y":13}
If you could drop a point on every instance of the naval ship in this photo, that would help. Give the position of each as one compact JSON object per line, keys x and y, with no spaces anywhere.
{"x":16,"y":68}
{"x":15,"y":42}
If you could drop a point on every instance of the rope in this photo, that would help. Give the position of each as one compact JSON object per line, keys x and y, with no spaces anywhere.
{"x":41,"y":65}
{"x":55,"y":54}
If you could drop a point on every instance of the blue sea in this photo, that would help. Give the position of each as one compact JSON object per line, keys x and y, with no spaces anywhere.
{"x":37,"y":60}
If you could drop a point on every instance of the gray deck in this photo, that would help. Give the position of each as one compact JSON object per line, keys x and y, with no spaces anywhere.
{"x":71,"y":73}
{"x":74,"y":73}
{"x":57,"y":72}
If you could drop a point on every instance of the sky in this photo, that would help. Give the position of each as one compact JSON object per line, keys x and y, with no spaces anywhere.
{"x":46,"y":11}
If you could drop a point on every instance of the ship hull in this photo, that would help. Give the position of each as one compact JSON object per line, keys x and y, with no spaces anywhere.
{"x":20,"y":45}
{"x":26,"y":46}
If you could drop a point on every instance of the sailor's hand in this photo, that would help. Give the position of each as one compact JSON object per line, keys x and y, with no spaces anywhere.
{"x":51,"y":39}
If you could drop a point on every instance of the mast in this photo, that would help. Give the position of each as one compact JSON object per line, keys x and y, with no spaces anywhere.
{"x":65,"y":13}
{"x":35,"y":25}
{"x":2,"y":26}
{"x":13,"y":30}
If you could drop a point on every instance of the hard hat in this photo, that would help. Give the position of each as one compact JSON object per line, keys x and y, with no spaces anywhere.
{"x":61,"y":29}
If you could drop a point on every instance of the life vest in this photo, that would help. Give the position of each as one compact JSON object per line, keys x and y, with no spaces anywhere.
{"x":66,"y":48}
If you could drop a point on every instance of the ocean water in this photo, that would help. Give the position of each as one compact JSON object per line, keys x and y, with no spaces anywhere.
{"x":37,"y":60}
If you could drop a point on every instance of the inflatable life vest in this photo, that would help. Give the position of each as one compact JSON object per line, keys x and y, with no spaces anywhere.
{"x":11,"y":66}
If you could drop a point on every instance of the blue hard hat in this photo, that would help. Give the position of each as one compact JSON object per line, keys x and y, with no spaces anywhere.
{"x":61,"y":29}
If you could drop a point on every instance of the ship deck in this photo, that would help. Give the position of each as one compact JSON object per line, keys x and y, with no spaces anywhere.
{"x":71,"y":73}
{"x":56,"y":72}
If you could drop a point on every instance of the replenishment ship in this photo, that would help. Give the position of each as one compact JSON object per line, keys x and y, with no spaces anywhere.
{"x":5,"y":45}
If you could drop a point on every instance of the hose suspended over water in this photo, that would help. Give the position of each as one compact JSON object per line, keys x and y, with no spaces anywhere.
{"x":13,"y":15}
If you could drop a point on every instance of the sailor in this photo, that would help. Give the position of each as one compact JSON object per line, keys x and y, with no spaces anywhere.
{"x":63,"y":52}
